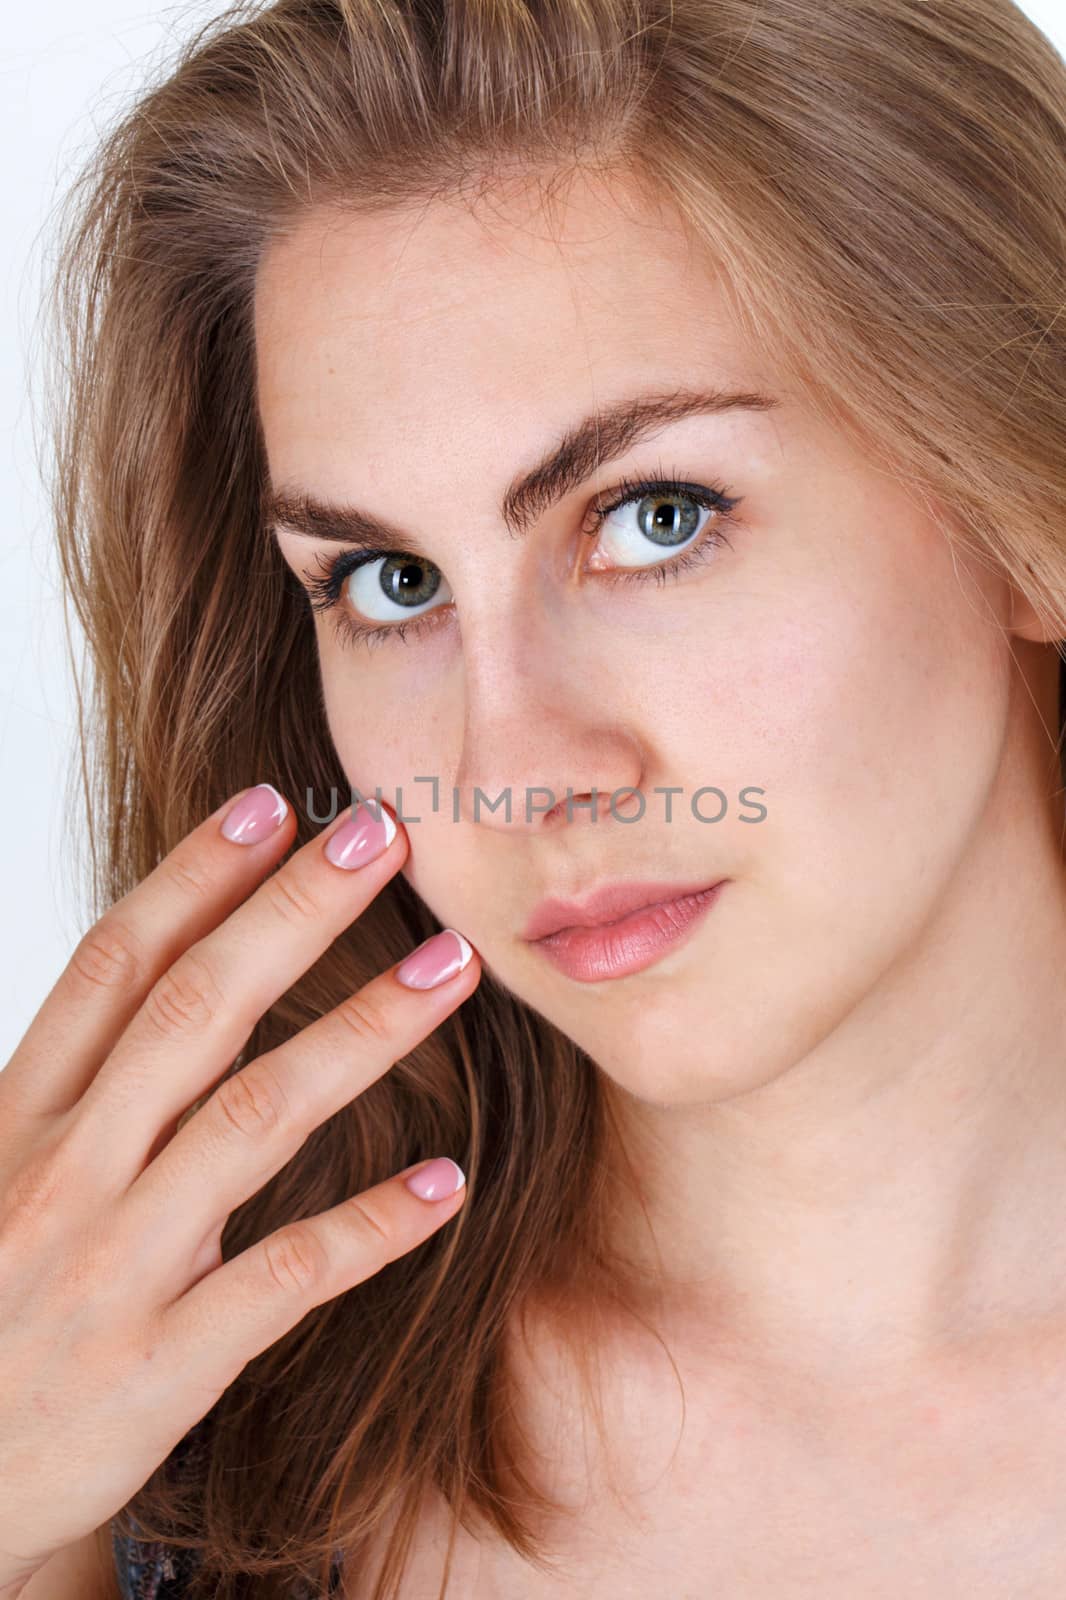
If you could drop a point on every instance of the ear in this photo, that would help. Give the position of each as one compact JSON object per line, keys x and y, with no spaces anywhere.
{"x":1026,"y":622}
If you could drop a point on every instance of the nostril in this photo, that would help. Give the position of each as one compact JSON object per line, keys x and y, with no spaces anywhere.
{"x":589,"y":802}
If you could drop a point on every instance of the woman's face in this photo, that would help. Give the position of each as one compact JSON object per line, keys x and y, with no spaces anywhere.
{"x":830,"y":668}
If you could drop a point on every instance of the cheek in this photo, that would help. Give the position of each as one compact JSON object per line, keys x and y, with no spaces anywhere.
{"x":388,"y":740}
{"x":384,"y":718}
{"x":878,"y":715}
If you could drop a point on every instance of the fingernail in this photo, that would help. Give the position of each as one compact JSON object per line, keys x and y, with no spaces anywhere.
{"x":255,"y":815}
{"x":361,"y":838}
{"x":434,"y":960}
{"x":437,"y":1180}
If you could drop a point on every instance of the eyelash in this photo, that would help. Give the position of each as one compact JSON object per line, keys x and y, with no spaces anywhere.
{"x":324,"y":590}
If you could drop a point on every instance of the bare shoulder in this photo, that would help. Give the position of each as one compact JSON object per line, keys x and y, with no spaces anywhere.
{"x":81,"y":1571}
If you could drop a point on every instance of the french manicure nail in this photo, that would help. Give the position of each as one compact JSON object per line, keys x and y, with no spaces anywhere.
{"x":255,"y":815}
{"x":434,"y":960}
{"x":361,"y":838}
{"x":437,"y":1180}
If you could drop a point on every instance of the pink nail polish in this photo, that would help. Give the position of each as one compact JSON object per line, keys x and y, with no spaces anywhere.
{"x":361,"y":838}
{"x":255,"y":815}
{"x":434,"y":960}
{"x":436,"y":1181}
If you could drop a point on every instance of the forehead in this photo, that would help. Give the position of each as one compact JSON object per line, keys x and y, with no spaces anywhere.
{"x":442,"y":319}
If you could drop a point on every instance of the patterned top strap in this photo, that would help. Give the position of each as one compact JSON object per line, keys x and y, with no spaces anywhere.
{"x":151,"y":1570}
{"x":148,"y":1569}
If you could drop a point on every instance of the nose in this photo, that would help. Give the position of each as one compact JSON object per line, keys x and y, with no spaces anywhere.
{"x":541,"y":746}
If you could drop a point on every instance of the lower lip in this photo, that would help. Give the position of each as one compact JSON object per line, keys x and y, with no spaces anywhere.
{"x":616,"y":949}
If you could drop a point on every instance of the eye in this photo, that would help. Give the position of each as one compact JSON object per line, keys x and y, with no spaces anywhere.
{"x":394,"y":587}
{"x":667,"y":520}
{"x":390,"y":587}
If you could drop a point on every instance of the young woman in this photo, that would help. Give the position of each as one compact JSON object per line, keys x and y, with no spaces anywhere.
{"x":625,"y":449}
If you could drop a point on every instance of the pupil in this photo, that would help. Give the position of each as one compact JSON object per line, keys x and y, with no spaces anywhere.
{"x":409,"y":582}
{"x":669,"y":523}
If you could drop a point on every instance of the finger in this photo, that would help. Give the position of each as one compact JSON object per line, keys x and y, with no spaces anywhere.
{"x":197,"y":1016}
{"x":246,"y":1305}
{"x":116,"y":962}
{"x":258,"y":1119}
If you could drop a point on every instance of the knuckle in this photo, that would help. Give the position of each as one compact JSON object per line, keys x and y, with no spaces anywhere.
{"x":371,"y":1223}
{"x":106,"y":957}
{"x":290,"y":899}
{"x":364,"y":1019}
{"x":253,"y":1103}
{"x":90,"y":1262}
{"x":186,"y":999}
{"x":296,"y":1258}
{"x":188,"y":875}
{"x":31,"y":1192}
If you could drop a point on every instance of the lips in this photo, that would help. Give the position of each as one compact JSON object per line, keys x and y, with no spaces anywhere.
{"x":610,"y":903}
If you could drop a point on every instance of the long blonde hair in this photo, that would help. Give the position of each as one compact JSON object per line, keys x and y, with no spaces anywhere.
{"x":881,"y":185}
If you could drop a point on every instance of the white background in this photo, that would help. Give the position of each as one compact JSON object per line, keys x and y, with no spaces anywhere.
{"x":66,"y":70}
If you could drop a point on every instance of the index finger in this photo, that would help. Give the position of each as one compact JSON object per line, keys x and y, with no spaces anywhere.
{"x":206,"y":876}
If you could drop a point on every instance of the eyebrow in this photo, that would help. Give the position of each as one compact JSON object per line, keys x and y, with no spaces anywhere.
{"x":589,"y":444}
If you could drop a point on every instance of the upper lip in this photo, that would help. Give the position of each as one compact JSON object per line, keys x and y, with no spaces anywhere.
{"x":608,"y":903}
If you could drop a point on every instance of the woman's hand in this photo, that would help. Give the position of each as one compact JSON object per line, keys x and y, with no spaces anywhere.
{"x":119,"y":1324}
